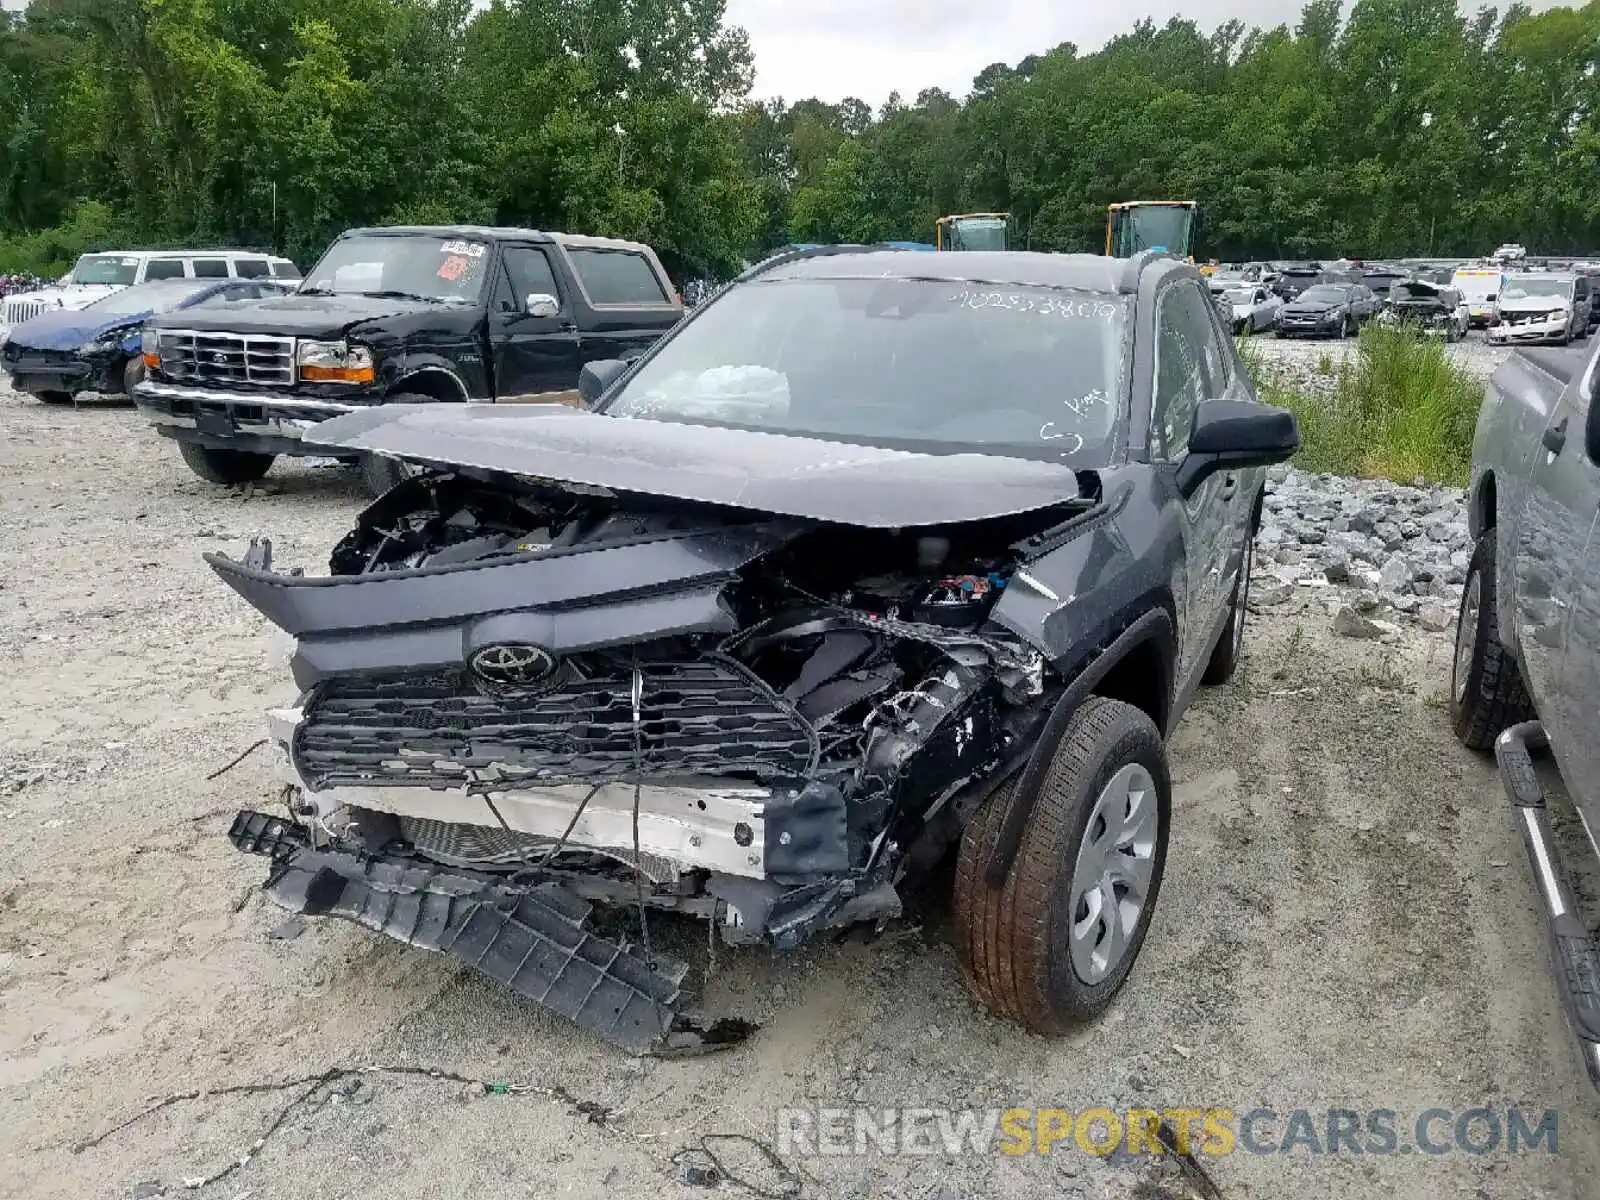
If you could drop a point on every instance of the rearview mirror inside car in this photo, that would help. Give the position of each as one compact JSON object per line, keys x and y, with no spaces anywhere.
{"x":1236,"y":433}
{"x":597,"y":376}
{"x":542,"y":304}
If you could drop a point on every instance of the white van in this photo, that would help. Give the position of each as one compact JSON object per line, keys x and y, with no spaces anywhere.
{"x":1480,"y":288}
{"x":97,"y":275}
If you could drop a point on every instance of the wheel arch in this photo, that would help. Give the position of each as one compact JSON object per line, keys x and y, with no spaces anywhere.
{"x":1135,"y":657}
{"x":436,"y":383}
{"x":1482,"y":513}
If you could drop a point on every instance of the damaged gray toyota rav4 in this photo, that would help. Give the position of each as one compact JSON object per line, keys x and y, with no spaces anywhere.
{"x":877,"y":558}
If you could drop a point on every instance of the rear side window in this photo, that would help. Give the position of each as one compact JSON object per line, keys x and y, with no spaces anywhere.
{"x":164,"y":268}
{"x":246,"y":268}
{"x":285,"y":270}
{"x":617,"y":277}
{"x":210,"y":268}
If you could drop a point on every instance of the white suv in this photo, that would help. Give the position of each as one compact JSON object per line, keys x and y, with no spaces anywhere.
{"x":97,"y":275}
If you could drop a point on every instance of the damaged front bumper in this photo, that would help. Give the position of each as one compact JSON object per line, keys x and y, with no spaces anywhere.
{"x":470,"y":871}
{"x":43,"y":372}
{"x":535,"y":941}
{"x":257,"y":420}
{"x":1528,"y":331}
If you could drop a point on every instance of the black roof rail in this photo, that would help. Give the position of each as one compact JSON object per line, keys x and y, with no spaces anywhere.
{"x":1136,"y":265}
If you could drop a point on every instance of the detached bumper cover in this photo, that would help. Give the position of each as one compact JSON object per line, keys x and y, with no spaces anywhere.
{"x":534,"y":941}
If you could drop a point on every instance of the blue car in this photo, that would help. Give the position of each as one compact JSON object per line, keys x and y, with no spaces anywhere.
{"x":56,"y":355}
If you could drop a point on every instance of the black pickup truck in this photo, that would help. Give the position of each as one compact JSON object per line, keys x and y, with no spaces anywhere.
{"x":401,"y":315}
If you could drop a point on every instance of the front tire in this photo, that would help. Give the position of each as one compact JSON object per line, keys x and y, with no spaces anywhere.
{"x":1051,"y":946}
{"x":132,"y":376}
{"x":380,"y":473}
{"x":228,"y":468}
{"x":1487,"y":694}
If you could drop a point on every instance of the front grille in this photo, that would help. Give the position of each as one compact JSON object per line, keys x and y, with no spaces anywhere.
{"x":460,"y":845}
{"x":706,"y":717}
{"x":18,"y":311}
{"x":225,"y":358}
{"x":1529,"y":318}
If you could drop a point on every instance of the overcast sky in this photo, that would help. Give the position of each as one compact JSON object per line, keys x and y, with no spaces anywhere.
{"x":869,"y":48}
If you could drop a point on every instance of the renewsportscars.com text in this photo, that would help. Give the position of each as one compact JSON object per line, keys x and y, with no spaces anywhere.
{"x":861,"y":1130}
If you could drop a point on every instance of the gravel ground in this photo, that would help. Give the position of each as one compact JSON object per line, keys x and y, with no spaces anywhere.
{"x":1347,"y":922}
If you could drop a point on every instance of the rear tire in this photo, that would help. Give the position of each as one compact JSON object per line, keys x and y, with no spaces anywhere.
{"x":225,"y":467}
{"x":1048,"y":948}
{"x":1487,"y":694}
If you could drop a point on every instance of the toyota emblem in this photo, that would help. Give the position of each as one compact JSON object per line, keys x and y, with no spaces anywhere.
{"x":513,"y":664}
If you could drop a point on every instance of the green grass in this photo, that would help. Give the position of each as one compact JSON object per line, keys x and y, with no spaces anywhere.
{"x":1399,"y":408}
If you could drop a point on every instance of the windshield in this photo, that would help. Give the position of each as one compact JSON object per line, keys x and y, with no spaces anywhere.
{"x":1522,"y":289}
{"x":1153,"y":227}
{"x":104,"y":269}
{"x":1242,"y":295}
{"x":429,"y":268}
{"x":1326,"y":294}
{"x":913,"y":364}
{"x":1476,"y":285}
{"x":978,"y":233}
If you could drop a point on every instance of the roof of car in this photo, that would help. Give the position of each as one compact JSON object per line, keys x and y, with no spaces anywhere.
{"x":1009,"y":268}
{"x":497,"y":233}
{"x":223,"y":251}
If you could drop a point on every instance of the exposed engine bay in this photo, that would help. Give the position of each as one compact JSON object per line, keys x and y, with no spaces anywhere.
{"x":770,"y":731}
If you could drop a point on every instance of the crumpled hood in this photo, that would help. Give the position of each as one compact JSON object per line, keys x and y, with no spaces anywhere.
{"x":68,"y":329}
{"x":296,"y":315}
{"x":764,"y":472}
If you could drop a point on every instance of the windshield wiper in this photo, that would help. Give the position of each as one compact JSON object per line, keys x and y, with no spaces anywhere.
{"x":393,"y":294}
{"x":314,"y":291}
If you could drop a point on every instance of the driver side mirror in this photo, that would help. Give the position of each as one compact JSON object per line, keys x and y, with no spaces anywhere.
{"x":597,"y":376}
{"x":1229,"y":434}
{"x":542,"y":304}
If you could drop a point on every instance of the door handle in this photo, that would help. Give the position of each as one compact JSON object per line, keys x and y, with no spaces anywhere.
{"x":1230,"y":485}
{"x":1555,"y":437}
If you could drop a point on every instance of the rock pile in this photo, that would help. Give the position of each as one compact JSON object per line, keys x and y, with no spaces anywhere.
{"x":1373,"y":545}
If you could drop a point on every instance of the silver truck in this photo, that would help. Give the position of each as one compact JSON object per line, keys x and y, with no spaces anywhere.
{"x":1526,"y":674}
